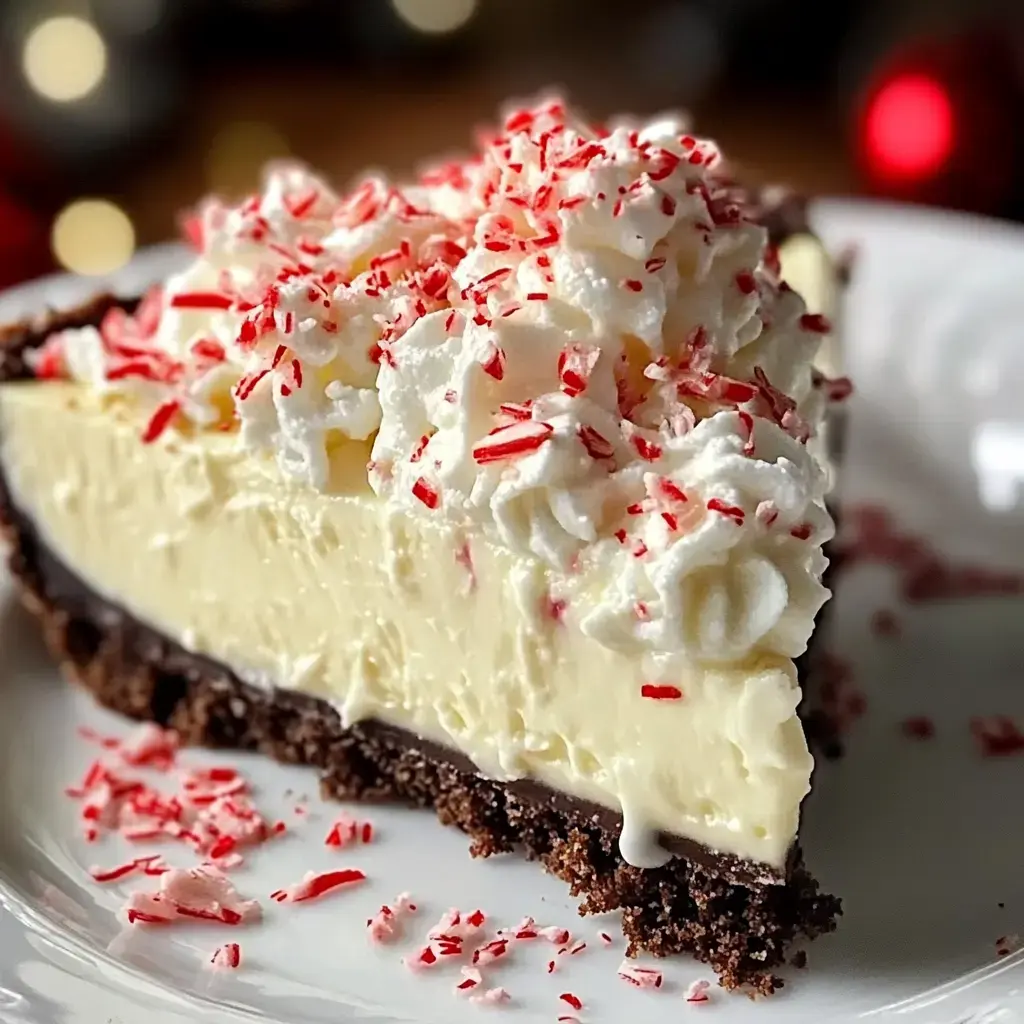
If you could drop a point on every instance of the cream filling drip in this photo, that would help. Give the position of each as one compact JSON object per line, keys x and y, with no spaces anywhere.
{"x":397,"y":618}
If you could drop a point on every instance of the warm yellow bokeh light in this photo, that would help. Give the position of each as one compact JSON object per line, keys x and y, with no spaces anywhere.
{"x":435,"y":16}
{"x":93,"y":236}
{"x":238,"y":153}
{"x":64,"y":58}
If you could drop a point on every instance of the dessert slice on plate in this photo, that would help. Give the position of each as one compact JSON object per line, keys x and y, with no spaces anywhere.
{"x":500,"y":492}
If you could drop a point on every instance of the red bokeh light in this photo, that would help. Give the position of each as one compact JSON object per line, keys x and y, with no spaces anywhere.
{"x":909,"y":127}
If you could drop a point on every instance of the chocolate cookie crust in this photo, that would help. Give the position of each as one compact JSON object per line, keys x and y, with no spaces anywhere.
{"x":712,"y":906}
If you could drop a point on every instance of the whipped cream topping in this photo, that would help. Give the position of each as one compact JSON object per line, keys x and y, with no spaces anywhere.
{"x":576,"y":341}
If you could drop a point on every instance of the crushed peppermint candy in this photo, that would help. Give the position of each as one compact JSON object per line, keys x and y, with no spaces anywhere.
{"x":227,"y":957}
{"x":426,"y":492}
{"x":454,"y":922}
{"x":697,"y":991}
{"x":317,"y":884}
{"x":513,"y":440}
{"x":383,"y":926}
{"x":211,"y":811}
{"x":491,"y":997}
{"x":576,"y":363}
{"x":655,"y":691}
{"x":471,"y":979}
{"x":490,"y":951}
{"x":640,"y":977}
{"x":525,"y":930}
{"x":202,"y":893}
{"x":387,"y":924}
{"x":733,"y":512}
{"x":203,"y":786}
{"x":148,"y":746}
{"x":205,"y":795}
{"x":448,"y":938}
{"x":346,"y":830}
{"x":816,"y":323}
{"x":151,"y":865}
{"x":423,"y":959}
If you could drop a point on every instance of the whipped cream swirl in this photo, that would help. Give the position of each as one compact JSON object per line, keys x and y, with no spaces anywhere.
{"x":575,"y":343}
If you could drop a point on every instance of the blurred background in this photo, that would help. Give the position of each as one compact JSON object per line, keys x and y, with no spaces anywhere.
{"x":116,"y":114}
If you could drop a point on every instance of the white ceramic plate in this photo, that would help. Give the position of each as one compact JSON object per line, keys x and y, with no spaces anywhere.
{"x":924,"y":840}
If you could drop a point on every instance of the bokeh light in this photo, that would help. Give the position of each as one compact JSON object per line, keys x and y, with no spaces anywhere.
{"x":435,"y":16}
{"x":64,"y":58}
{"x":93,"y":236}
{"x":909,"y":127}
{"x":237,"y":154}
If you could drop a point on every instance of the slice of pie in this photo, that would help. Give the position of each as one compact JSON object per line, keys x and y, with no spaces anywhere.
{"x":502,"y":492}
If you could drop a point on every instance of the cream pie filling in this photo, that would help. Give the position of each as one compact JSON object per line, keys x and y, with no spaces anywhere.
{"x":396,"y":618}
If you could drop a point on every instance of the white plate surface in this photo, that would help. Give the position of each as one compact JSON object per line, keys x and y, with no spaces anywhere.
{"x":924,"y":840}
